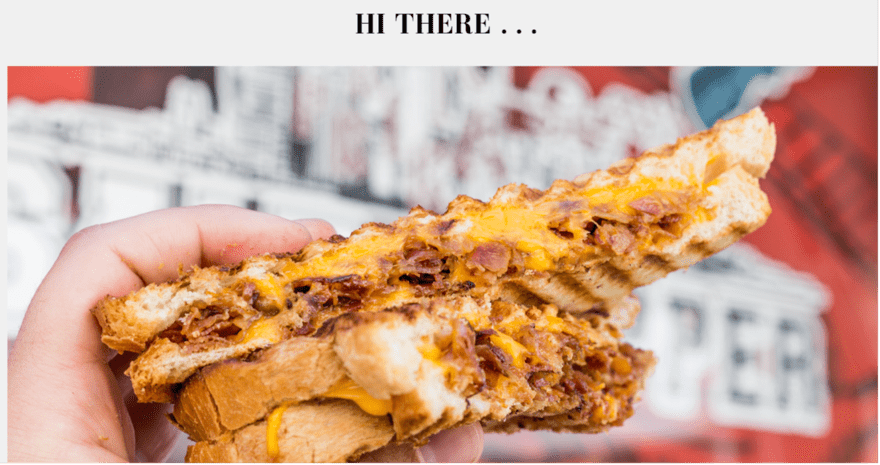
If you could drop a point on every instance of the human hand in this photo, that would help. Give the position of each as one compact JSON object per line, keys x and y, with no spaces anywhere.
{"x":68,"y":399}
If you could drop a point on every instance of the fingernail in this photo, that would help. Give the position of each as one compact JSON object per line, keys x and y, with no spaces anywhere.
{"x":460,"y":445}
{"x":318,"y":229}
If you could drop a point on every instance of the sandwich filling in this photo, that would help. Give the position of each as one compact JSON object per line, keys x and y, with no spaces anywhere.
{"x":475,"y":249}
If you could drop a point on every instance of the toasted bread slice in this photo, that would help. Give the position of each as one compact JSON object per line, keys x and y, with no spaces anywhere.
{"x":582,"y":246}
{"x":419,"y":369}
{"x":317,"y":432}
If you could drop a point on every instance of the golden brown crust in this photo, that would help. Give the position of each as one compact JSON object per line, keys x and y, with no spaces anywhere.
{"x":325,"y":431}
{"x":298,"y":369}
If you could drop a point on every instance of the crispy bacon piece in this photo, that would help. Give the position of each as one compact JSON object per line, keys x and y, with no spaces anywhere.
{"x":209,"y":327}
{"x":492,"y":257}
{"x":615,"y":236}
{"x":493,"y":359}
{"x":422,"y":261}
{"x":659,"y":204}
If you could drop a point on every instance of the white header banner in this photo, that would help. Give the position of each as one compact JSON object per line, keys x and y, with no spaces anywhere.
{"x":551,"y":32}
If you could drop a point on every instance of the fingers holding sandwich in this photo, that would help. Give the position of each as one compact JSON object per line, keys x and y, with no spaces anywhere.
{"x":64,"y":402}
{"x":155,"y":245}
{"x":119,"y":257}
{"x":458,"y":445}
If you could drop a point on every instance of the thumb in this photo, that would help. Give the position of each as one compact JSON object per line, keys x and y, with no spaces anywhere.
{"x":459,"y":445}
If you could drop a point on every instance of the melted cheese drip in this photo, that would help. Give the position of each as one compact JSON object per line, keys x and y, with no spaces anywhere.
{"x":273,"y":425}
{"x":347,"y":389}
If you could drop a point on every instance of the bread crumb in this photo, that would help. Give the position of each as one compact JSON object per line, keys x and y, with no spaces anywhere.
{"x":129,"y":265}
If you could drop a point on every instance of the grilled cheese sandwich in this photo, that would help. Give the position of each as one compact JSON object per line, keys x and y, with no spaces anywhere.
{"x":507,"y":312}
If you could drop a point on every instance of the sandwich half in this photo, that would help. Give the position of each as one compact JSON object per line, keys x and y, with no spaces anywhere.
{"x":404,"y":373}
{"x":507,"y":312}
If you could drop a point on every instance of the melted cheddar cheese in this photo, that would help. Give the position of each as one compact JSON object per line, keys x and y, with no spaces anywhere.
{"x":398,"y":296}
{"x":619,"y":197}
{"x":522,"y":227}
{"x":359,"y":256}
{"x":267,"y":329}
{"x":508,"y":344}
{"x":537,"y":257}
{"x":430,"y":352}
{"x":273,"y":425}
{"x":347,"y":389}
{"x":433,"y":354}
{"x":270,"y":288}
{"x":553,"y":323}
{"x":459,"y":272}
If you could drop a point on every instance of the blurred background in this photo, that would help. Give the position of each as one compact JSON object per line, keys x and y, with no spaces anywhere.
{"x":768,"y":351}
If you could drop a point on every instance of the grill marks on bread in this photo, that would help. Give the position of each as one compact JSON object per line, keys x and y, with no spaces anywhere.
{"x":421,"y":270}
